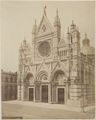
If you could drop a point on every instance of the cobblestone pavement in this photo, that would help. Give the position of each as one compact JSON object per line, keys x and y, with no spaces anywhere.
{"x":10,"y":110}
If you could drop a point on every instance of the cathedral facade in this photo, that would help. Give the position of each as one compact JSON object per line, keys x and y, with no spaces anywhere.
{"x":54,"y":69}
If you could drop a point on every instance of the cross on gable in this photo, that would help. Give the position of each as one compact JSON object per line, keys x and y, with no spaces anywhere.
{"x":45,"y":10}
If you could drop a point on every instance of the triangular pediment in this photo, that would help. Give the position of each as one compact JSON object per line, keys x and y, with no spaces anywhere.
{"x":45,"y":27}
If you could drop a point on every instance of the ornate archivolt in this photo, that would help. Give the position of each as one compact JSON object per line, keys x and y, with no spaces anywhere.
{"x":59,"y":77}
{"x":42,"y":77}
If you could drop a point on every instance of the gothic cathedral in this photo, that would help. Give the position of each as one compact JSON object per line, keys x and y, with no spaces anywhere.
{"x":54,"y":69}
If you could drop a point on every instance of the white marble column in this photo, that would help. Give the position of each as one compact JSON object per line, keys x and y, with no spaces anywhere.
{"x":49,"y":93}
{"x":19,"y":92}
{"x":22,"y":93}
{"x":40,"y":93}
{"x":34,"y":92}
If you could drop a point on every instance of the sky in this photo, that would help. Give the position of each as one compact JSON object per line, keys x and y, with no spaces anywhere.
{"x":17,"y":19}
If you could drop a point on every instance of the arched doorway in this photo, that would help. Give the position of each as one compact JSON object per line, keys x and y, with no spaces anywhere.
{"x":29,"y":81}
{"x":58,"y":87}
{"x":42,"y":88}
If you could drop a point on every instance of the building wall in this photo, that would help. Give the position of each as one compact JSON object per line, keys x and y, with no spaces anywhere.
{"x":88,"y":78}
{"x":8,"y":85}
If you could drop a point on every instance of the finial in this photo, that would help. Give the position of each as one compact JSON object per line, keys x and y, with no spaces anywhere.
{"x":73,"y":25}
{"x":45,"y":10}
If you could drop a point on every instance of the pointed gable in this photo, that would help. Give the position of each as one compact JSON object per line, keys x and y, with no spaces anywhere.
{"x":43,"y":67}
{"x":45,"y":26}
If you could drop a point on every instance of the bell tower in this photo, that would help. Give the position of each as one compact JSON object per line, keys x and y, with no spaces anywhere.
{"x":74,"y":50}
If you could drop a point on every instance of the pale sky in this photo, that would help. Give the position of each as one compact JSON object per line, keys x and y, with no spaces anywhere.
{"x":17,"y":19}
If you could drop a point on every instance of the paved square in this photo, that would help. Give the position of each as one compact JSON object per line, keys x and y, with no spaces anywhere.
{"x":29,"y":110}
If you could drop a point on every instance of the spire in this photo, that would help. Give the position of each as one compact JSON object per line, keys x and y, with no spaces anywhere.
{"x":34,"y":27}
{"x":24,"y":41}
{"x":73,"y":25}
{"x":68,"y":34}
{"x":57,"y":12}
{"x":45,"y":10}
{"x":72,"y":22}
{"x":57,"y":20}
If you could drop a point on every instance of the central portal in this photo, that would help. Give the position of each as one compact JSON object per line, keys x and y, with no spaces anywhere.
{"x":61,"y":96}
{"x":45,"y":93}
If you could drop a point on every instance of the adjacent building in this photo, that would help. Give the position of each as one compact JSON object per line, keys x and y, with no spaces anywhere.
{"x":8,"y":85}
{"x":56,"y":69}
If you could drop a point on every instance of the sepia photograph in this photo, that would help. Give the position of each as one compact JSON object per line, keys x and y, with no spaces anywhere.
{"x":47,"y":59}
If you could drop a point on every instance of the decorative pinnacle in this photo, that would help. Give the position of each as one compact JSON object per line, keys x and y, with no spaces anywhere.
{"x":45,"y":10}
{"x":57,"y":12}
{"x":24,"y":40}
{"x":68,"y":30}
